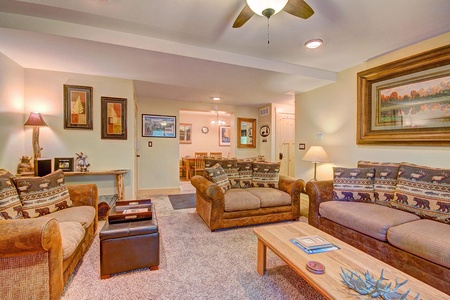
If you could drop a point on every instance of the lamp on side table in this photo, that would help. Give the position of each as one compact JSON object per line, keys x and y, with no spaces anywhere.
{"x":315,"y":154}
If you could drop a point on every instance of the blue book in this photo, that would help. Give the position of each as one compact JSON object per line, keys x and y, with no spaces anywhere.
{"x":316,"y":250}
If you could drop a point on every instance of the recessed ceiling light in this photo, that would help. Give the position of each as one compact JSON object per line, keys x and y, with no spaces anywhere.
{"x":216,"y":98}
{"x":313,"y":44}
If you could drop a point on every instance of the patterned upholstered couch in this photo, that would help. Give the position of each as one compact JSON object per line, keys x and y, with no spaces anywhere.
{"x":245,"y":192}
{"x":46,"y":227}
{"x":398,"y":213}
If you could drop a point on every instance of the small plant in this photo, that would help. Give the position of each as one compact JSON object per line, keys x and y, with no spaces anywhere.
{"x":374,"y":288}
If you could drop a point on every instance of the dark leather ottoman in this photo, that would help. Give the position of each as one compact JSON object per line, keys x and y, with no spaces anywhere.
{"x":129,"y":245}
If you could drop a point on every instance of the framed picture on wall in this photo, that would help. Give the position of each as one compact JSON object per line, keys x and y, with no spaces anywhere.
{"x":185,"y":133}
{"x":159,"y":126}
{"x":224,"y":135}
{"x":114,"y":118}
{"x":77,"y":107}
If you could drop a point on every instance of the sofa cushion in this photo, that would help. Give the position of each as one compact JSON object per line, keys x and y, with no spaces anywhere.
{"x":425,"y":238}
{"x":72,"y":234}
{"x":353,"y":184}
{"x":270,"y":197}
{"x":372,"y":220}
{"x":10,"y":205}
{"x":424,"y":191}
{"x":43,"y":195}
{"x":84,"y":215}
{"x":266,"y":174}
{"x":240,"y":199}
{"x":217,"y":175}
{"x":385,"y":180}
{"x":245,"y":173}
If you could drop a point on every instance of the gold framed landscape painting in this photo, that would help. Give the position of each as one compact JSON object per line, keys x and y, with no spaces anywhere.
{"x":114,"y":118}
{"x":406,"y":102}
{"x":77,"y":107}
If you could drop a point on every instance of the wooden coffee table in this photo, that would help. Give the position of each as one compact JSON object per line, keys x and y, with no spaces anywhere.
{"x":329,"y":284}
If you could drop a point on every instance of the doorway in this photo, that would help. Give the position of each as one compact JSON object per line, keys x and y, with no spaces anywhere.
{"x":285,"y":142}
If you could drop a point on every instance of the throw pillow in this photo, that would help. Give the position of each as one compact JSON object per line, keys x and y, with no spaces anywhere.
{"x":10,"y":205}
{"x":353,"y":184}
{"x":245,"y":172}
{"x":266,"y":174}
{"x":385,"y":180}
{"x":424,"y":191}
{"x":229,"y":166}
{"x":43,"y":195}
{"x":217,"y":175}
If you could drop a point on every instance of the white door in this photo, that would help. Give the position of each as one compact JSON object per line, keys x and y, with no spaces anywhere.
{"x":285,"y":140}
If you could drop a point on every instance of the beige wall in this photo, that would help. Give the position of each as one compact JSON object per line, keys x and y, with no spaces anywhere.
{"x":27,"y":90}
{"x":11,"y":113}
{"x":331,"y":110}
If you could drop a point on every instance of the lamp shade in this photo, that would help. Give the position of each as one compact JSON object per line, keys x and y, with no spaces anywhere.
{"x":259,"y":5}
{"x":316,"y":154}
{"x":35,"y":119}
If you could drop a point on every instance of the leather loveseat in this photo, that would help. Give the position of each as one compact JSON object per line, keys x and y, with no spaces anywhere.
{"x":245,"y":192}
{"x":405,"y":225}
{"x":39,"y":254}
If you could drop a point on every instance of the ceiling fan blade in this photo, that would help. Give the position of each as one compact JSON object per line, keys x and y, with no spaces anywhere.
{"x":299,"y":8}
{"x":243,"y":17}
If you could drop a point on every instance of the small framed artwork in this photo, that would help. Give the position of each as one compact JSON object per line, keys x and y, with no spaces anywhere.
{"x":64,"y":163}
{"x":159,"y":126}
{"x":185,"y":133}
{"x":114,"y":118}
{"x":224,"y":135}
{"x":77,"y":107}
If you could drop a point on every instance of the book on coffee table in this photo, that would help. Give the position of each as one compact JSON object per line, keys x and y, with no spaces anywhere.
{"x":313,"y":242}
{"x":314,"y":250}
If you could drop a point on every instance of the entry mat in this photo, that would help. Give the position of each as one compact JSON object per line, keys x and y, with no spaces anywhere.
{"x":182,"y":201}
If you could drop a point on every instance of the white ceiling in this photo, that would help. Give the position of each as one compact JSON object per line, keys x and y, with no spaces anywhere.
{"x":187,"y":50}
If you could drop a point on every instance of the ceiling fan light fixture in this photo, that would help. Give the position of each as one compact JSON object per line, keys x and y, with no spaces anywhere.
{"x":259,"y":6}
{"x":313,"y":44}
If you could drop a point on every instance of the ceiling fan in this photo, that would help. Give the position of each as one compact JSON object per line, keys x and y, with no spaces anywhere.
{"x":268,"y":8}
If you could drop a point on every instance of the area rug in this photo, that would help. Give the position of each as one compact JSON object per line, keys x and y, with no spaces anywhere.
{"x":195,"y":264}
{"x":182,"y":201}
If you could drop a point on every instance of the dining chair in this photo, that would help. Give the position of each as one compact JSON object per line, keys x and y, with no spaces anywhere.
{"x":215,"y":154}
{"x":199,"y":163}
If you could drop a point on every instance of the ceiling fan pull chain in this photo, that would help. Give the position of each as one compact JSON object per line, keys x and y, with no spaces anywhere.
{"x":268,"y":33}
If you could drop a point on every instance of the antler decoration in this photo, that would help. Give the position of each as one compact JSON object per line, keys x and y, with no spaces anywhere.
{"x":374,"y":288}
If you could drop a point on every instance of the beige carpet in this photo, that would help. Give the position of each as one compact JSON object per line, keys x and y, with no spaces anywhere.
{"x":195,"y":264}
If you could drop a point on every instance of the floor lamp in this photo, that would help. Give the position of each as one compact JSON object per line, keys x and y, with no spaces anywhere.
{"x":315,"y":154}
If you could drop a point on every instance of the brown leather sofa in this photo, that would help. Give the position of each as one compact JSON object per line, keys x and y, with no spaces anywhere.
{"x":212,"y":206}
{"x":31,"y":250}
{"x":425,"y":270}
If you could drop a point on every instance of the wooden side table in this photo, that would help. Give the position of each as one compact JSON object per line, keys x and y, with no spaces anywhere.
{"x":118,"y":176}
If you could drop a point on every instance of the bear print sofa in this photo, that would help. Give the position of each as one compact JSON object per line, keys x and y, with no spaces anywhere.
{"x":46,"y":227}
{"x":245,"y":192}
{"x":398,"y":213}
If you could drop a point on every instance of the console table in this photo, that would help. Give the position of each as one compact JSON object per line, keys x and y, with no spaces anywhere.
{"x":118,"y":175}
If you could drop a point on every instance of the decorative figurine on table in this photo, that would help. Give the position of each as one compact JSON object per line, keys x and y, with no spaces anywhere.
{"x":81,"y":163}
{"x":25,"y":166}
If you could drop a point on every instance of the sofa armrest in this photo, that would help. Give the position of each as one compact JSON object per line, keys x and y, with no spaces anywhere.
{"x":207,"y":188}
{"x":318,"y":192}
{"x":293,"y":187}
{"x":84,"y":194}
{"x":31,"y":242}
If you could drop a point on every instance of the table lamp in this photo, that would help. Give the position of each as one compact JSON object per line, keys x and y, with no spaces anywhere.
{"x":315,"y":154}
{"x":35,"y":120}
